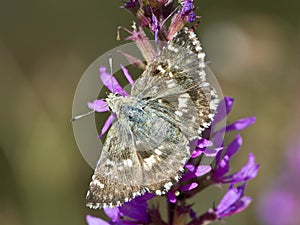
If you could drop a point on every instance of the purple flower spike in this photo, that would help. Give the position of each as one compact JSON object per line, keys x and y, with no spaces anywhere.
{"x":91,"y":220}
{"x":233,"y":202}
{"x":98,"y":105}
{"x":127,"y":75}
{"x":110,"y":82}
{"x":107,"y":124}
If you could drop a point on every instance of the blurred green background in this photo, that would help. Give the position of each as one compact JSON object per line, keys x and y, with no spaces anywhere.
{"x":45,"y":47}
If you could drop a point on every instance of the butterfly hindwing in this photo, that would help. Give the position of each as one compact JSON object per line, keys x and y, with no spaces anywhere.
{"x":148,"y":157}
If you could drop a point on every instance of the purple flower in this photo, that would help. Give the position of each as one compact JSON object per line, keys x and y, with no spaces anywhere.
{"x":224,"y":108}
{"x":247,"y":172}
{"x":153,"y":14}
{"x":233,"y":202}
{"x":282,"y":198}
{"x":91,"y":220}
{"x":203,"y":147}
{"x":133,"y":212}
{"x":187,"y":10}
{"x":279,"y":207}
{"x":155,"y":27}
{"x":113,"y":85}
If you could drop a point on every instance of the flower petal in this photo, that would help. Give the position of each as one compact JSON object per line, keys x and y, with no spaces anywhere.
{"x":202,"y":170}
{"x":91,"y":220}
{"x":155,"y":27}
{"x":98,"y":105}
{"x":107,"y":124}
{"x":232,"y":148}
{"x":187,"y":10}
{"x":241,"y":124}
{"x":189,"y":187}
{"x":127,"y":75}
{"x":110,"y":82}
{"x":201,"y":147}
{"x":239,"y":206}
{"x":137,"y":208}
{"x":223,"y":109}
{"x":248,"y":172}
{"x":195,"y":172}
{"x":233,"y":202}
{"x":171,"y":197}
{"x":202,"y":143}
{"x":113,"y":213}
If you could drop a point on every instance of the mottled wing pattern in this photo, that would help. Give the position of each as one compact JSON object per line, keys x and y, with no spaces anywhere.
{"x":182,"y":60}
{"x":118,"y":175}
{"x":147,"y":158}
{"x":174,"y":104}
{"x":169,"y":101}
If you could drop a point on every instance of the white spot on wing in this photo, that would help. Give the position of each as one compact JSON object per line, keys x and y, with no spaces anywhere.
{"x":150,"y":161}
{"x":182,"y":100}
{"x":178,"y":113}
{"x":109,"y":162}
{"x":97,"y":183}
{"x":168,"y":185}
{"x":128,"y":162}
{"x":158,"y":192}
{"x":157,"y":151}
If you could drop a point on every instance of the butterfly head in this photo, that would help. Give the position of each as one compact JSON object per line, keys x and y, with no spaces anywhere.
{"x":114,"y":101}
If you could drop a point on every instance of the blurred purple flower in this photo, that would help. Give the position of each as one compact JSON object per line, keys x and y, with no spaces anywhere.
{"x":282,"y":198}
{"x":280,"y":207}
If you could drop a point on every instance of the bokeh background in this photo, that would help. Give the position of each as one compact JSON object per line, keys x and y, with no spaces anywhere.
{"x":45,"y":47}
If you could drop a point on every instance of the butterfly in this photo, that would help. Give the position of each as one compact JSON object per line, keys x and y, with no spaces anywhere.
{"x":147,"y":146}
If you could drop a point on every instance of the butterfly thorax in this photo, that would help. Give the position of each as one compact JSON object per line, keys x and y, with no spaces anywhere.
{"x":127,"y":109}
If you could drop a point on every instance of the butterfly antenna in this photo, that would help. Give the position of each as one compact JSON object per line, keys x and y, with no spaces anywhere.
{"x":110,"y":62}
{"x":171,"y":14}
{"x":82,"y":115}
